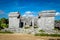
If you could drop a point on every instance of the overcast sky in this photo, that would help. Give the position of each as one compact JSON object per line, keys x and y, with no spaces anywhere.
{"x":23,"y":6}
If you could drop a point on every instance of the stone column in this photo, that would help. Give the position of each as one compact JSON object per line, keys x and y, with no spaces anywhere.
{"x":23,"y":23}
{"x":32,"y":22}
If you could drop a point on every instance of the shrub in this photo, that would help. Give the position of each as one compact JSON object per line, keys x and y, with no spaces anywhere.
{"x":6,"y":31}
{"x":56,"y":28}
{"x":35,"y":27}
{"x":41,"y":31}
{"x":26,"y":27}
{"x":4,"y":25}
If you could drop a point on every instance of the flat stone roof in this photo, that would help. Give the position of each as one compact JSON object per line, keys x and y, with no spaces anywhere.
{"x":47,"y":13}
{"x":14,"y":14}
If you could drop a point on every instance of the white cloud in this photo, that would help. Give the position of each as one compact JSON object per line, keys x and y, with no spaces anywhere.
{"x":24,"y":15}
{"x":28,"y":13}
{"x":57,"y":14}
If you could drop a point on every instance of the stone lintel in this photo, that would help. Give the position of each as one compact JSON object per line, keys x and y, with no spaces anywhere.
{"x":48,"y":13}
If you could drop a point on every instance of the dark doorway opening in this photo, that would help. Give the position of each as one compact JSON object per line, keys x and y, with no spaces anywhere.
{"x":39,"y":17}
{"x":31,"y":24}
{"x":21,"y":24}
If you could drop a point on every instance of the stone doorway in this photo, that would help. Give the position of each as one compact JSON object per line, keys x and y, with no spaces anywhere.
{"x":21,"y":24}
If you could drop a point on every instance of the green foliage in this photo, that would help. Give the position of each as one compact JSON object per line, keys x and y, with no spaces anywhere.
{"x":26,"y":27}
{"x":3,"y":20}
{"x":3,"y":23}
{"x":41,"y":31}
{"x":42,"y":34}
{"x":55,"y":29}
{"x":0,"y":22}
{"x":5,"y":32}
{"x":35,"y":26}
{"x":57,"y":21}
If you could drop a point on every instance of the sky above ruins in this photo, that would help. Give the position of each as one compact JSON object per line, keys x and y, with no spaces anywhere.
{"x":23,"y":6}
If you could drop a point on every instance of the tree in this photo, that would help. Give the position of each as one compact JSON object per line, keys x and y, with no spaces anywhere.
{"x":3,"y":20}
{"x":3,"y":23}
{"x":0,"y":23}
{"x":57,"y":21}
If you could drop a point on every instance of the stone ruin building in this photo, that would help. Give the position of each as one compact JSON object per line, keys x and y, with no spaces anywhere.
{"x":45,"y":20}
{"x":32,"y":24}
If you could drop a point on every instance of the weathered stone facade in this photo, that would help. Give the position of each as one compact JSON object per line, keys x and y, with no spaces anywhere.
{"x":45,"y":20}
{"x":14,"y":20}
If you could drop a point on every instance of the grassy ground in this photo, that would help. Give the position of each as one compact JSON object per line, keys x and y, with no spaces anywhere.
{"x":52,"y":35}
{"x":5,"y":32}
{"x":25,"y":37}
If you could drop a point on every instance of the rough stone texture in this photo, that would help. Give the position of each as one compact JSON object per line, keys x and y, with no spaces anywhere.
{"x":45,"y":22}
{"x":14,"y":20}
